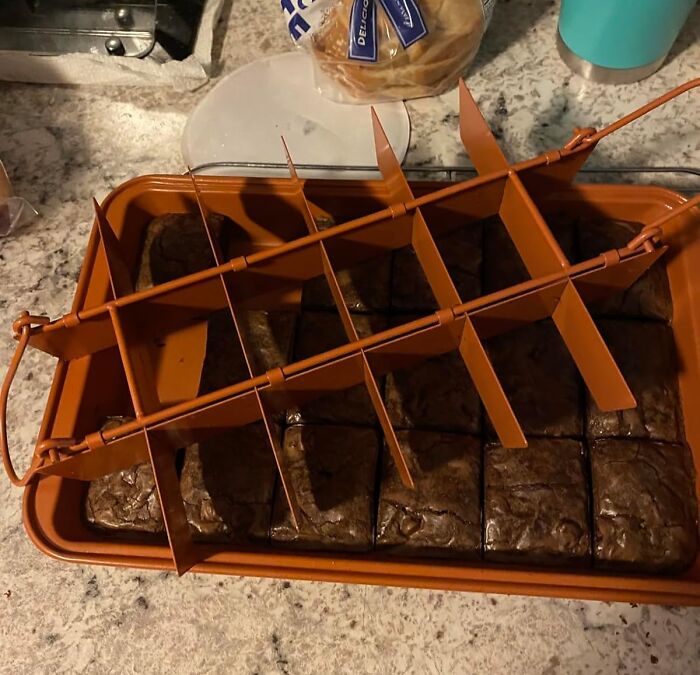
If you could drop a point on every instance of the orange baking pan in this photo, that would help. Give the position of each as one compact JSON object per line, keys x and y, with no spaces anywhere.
{"x":149,"y":345}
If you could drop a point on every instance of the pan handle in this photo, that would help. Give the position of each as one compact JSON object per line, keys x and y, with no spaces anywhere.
{"x":653,"y":230}
{"x":590,"y":135}
{"x":23,"y":330}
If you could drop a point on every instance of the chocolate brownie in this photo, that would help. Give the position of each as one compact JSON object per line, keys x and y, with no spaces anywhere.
{"x":434,"y":394}
{"x":175,"y":245}
{"x":224,"y":363}
{"x":649,"y":296}
{"x":319,"y":332}
{"x":539,"y":378}
{"x":333,"y":473}
{"x":536,"y":503}
{"x":365,"y":287}
{"x":644,"y":506}
{"x":461,"y":253}
{"x":268,"y":336}
{"x":646,"y":355}
{"x":125,"y":500}
{"x":503,"y":266}
{"x":227,"y":485}
{"x":442,"y":515}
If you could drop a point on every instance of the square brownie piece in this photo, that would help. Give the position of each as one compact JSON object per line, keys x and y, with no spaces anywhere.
{"x":227,"y":485}
{"x":365,"y":287}
{"x":540,"y":379}
{"x":442,"y":515}
{"x":649,"y":296}
{"x":645,"y":353}
{"x":319,"y":332}
{"x":175,"y":245}
{"x":268,"y":335}
{"x":125,"y":500}
{"x":461,"y":253}
{"x":434,"y":394}
{"x":333,"y":472}
{"x":536,"y":503}
{"x":644,"y":506}
{"x":503,"y":266}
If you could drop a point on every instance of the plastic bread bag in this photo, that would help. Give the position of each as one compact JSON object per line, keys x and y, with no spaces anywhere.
{"x":384,"y":50}
{"x":14,"y":211}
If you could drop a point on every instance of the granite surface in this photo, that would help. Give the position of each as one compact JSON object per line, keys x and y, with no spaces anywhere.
{"x":63,"y":145}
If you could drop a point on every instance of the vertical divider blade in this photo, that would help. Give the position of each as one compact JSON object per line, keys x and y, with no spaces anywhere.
{"x":218,"y":259}
{"x":204,"y":215}
{"x":171,"y":503}
{"x":490,"y":390}
{"x":388,"y":163}
{"x":281,"y":462}
{"x":477,"y":139}
{"x":385,"y":423}
{"x":590,"y":353}
{"x":337,"y":294}
{"x":467,"y":341}
{"x":534,"y":241}
{"x":117,"y":269}
{"x":290,"y":164}
{"x":299,"y":195}
{"x":138,"y":368}
{"x":431,"y":262}
{"x":369,"y":378}
{"x":388,"y":160}
{"x":265,"y":412}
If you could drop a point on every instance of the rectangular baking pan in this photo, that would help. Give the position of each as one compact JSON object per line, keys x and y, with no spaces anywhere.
{"x":266,"y":211}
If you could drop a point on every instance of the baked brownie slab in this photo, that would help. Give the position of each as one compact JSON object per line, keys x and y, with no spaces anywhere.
{"x":461,"y":253}
{"x":125,"y":500}
{"x":319,"y":332}
{"x":442,"y":515}
{"x":536,"y":503}
{"x":503,"y":266}
{"x":540,"y":379}
{"x":365,"y":287}
{"x":175,"y":245}
{"x":434,"y":394}
{"x":645,"y":353}
{"x":333,"y":473}
{"x":268,"y":335}
{"x":227,"y":485}
{"x":644,"y":506}
{"x":649,"y":296}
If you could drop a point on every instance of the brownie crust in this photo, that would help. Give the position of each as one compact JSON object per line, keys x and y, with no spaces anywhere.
{"x":645,"y":353}
{"x":536,"y":503}
{"x":227,"y":485}
{"x":332,"y":471}
{"x":644,"y":506}
{"x":441,"y":516}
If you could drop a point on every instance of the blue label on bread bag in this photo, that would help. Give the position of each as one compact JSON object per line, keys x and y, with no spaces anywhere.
{"x":406,"y":19}
{"x":298,"y":26}
{"x":362,"y":44}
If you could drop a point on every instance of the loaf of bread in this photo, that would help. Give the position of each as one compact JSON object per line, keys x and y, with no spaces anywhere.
{"x":427,"y":67}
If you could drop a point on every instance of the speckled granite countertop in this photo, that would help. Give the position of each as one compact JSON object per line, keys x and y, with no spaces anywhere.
{"x":63,"y":145}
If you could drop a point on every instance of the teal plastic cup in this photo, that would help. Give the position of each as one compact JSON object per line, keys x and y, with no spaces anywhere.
{"x":618,"y":41}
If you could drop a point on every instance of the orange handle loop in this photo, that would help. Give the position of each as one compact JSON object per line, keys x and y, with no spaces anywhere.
{"x":655,"y":229}
{"x":590,"y":135}
{"x":23,"y":330}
